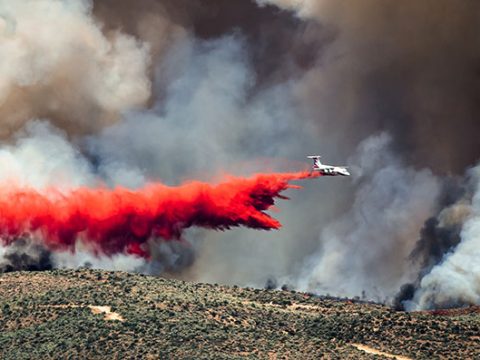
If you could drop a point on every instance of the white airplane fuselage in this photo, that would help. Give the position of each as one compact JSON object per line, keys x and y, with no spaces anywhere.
{"x":328,"y":170}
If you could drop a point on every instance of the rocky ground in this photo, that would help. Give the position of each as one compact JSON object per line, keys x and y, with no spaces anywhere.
{"x":95,"y":314}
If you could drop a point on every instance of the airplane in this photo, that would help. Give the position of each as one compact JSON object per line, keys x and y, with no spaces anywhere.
{"x":327,"y":170}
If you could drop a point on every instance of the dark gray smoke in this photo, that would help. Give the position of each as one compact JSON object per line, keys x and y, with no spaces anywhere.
{"x":409,"y":67}
{"x":443,"y":238}
{"x":440,"y":235}
{"x":25,"y":255}
{"x":279,"y":44}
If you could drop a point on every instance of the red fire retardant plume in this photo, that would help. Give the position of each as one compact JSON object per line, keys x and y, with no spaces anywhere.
{"x":118,"y":220}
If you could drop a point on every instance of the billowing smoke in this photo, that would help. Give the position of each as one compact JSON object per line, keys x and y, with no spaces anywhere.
{"x":132,"y":94}
{"x":304,"y":8}
{"x":446,"y":252}
{"x":410,"y":68}
{"x":25,"y":255}
{"x":57,"y":64}
{"x":365,"y":250}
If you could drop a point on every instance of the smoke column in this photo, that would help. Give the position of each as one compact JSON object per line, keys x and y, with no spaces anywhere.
{"x":364,"y":251}
{"x":97,"y":96}
{"x":57,"y":64}
{"x":409,"y":68}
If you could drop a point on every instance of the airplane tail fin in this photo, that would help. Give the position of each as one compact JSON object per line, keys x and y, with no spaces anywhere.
{"x":316,"y":159}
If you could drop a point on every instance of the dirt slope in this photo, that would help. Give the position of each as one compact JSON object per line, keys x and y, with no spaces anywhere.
{"x":94,"y":314}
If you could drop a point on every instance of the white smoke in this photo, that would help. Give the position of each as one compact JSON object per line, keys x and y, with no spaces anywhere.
{"x":456,"y":280}
{"x":209,"y":121}
{"x":211,"y":115}
{"x":57,"y":63}
{"x":84,"y":258}
{"x":42,"y":157}
{"x":366,"y":250}
{"x":207,"y":94}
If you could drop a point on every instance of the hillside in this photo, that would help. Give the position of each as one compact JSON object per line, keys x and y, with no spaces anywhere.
{"x":96,"y":314}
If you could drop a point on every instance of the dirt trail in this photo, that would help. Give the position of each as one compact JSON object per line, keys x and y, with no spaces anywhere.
{"x":370,"y":350}
{"x":107,"y":310}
